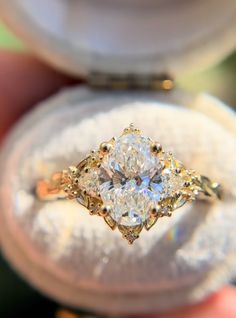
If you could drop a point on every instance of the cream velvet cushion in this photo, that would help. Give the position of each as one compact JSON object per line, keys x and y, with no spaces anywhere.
{"x":74,"y":257}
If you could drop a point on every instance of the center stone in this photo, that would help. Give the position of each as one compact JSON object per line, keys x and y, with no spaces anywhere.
{"x":130,"y":180}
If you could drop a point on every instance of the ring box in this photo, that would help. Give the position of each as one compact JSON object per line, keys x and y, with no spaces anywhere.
{"x":57,"y":247}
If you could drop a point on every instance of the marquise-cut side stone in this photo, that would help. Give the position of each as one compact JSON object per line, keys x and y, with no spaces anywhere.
{"x":172,"y":182}
{"x":90,"y":182}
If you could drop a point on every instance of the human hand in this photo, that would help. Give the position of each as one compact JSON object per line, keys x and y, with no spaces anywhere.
{"x":219,"y":305}
{"x":24,"y":81}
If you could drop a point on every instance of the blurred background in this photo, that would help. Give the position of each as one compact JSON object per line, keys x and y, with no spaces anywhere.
{"x":16,"y":298}
{"x":219,"y":81}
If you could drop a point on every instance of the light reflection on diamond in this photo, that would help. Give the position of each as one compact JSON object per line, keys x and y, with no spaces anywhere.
{"x":130,"y":185}
{"x":90,"y":182}
{"x":131,"y":181}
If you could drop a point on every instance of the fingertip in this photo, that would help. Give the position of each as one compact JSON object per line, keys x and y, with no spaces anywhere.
{"x":25,"y":81}
{"x":221,"y":304}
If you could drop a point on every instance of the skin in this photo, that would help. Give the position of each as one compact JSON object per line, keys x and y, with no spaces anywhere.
{"x":25,"y":81}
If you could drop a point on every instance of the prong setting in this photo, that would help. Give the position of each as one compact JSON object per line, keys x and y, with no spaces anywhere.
{"x":156,"y":148}
{"x":154,"y":211}
{"x":105,"y":147}
{"x":178,"y":170}
{"x":106,"y":181}
{"x":105,"y":210}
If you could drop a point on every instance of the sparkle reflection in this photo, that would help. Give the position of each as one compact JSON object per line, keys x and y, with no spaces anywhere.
{"x":175,"y":234}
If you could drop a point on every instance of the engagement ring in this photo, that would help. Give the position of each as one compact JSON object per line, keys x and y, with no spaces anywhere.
{"x":130,"y":181}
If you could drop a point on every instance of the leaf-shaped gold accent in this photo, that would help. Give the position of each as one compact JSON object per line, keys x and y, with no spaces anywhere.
{"x":110,"y":222}
{"x":148,"y":224}
{"x":130,"y":233}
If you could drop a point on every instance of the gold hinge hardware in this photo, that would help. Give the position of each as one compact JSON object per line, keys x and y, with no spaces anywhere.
{"x":130,"y":81}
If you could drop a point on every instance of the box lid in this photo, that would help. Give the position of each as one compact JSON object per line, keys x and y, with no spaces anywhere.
{"x":125,"y":36}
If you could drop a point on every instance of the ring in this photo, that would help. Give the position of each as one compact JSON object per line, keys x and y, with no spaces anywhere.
{"x":130,"y":181}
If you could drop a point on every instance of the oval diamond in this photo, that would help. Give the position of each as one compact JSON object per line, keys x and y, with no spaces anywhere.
{"x":130,"y":181}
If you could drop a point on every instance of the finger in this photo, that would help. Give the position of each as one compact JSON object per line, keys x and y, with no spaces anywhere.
{"x":24,"y":81}
{"x":220,"y":305}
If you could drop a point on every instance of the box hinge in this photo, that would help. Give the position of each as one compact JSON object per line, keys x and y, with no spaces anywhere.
{"x":130,"y":81}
